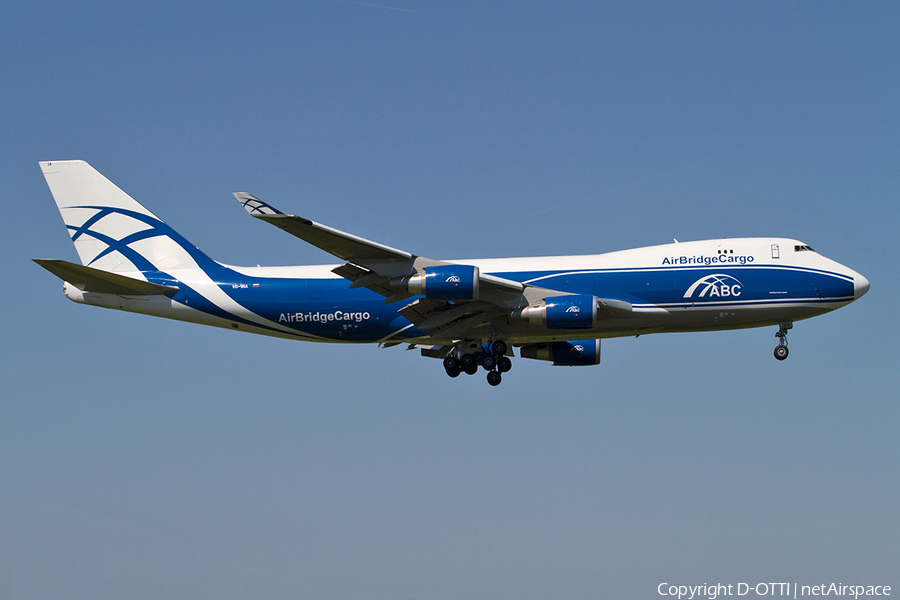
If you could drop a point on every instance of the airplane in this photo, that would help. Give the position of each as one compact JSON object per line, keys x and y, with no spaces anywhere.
{"x":469,"y":313}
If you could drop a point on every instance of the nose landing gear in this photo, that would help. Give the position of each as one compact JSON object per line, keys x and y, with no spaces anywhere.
{"x":781,"y":350}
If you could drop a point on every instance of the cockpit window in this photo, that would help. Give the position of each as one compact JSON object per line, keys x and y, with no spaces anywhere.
{"x":803,"y":249}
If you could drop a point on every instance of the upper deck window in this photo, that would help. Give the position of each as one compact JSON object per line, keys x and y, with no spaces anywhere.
{"x":803,"y":249}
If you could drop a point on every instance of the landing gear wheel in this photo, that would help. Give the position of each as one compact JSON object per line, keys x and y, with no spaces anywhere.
{"x":450,"y":363}
{"x":494,"y":378}
{"x":467,"y":360}
{"x":781,"y":352}
{"x":488,"y":362}
{"x":504,"y":364}
{"x":471,"y":369}
{"x":498,"y":348}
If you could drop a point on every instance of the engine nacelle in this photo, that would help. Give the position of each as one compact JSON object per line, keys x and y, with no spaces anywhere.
{"x":575,"y":353}
{"x":563,"y":312}
{"x":446,"y":282}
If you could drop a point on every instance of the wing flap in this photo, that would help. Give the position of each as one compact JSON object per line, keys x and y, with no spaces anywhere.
{"x":444,"y":320}
{"x":420,"y":310}
{"x":463,"y":327}
{"x":89,"y":279}
{"x":439,"y":318}
{"x":431,"y":351}
{"x":360,"y":277}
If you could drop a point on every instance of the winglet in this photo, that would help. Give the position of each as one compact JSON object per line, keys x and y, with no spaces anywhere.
{"x":255,"y":206}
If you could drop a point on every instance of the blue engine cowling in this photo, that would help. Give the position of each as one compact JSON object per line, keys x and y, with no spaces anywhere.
{"x":574,"y":353}
{"x":563,"y":312}
{"x":447,"y":282}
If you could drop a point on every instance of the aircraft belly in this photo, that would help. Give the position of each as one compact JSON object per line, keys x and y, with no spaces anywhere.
{"x":714,"y":318}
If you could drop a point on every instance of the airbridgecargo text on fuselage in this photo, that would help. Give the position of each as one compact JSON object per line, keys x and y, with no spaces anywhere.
{"x":708,"y":260}
{"x":320,"y":317}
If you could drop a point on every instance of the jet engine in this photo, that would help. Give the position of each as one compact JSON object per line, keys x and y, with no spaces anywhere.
{"x":562,"y":312}
{"x":575,"y":353}
{"x":444,"y":282}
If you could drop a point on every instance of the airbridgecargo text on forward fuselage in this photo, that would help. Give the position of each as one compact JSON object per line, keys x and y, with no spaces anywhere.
{"x":708,"y":260}
{"x":320,"y":317}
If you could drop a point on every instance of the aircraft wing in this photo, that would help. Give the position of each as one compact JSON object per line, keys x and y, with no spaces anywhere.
{"x":371,"y":265}
{"x":343,"y":245}
{"x":386,"y":270}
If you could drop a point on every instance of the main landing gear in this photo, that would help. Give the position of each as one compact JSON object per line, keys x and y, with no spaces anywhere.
{"x":781,"y":350}
{"x":492,"y":357}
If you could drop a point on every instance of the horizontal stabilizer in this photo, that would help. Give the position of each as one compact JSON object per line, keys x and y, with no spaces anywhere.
{"x":89,"y":279}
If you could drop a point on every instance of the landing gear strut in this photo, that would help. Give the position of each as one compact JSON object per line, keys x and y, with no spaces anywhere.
{"x":466,"y":357}
{"x":781,"y":350}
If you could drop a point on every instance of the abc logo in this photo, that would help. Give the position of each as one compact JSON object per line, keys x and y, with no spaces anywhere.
{"x":719,"y":286}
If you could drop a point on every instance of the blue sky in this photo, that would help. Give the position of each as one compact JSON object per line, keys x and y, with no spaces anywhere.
{"x":142,"y":458}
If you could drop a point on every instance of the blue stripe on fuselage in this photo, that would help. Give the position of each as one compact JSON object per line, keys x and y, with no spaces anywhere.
{"x":668,"y":286}
{"x":327,"y":308}
{"x":321,"y":307}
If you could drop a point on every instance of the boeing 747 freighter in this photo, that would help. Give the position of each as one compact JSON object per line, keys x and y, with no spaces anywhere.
{"x":469,"y":313}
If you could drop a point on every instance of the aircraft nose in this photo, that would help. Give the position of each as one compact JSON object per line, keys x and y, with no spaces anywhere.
{"x":860,"y":286}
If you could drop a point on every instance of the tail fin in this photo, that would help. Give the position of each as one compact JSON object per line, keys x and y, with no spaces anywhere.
{"x":110,"y":229}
